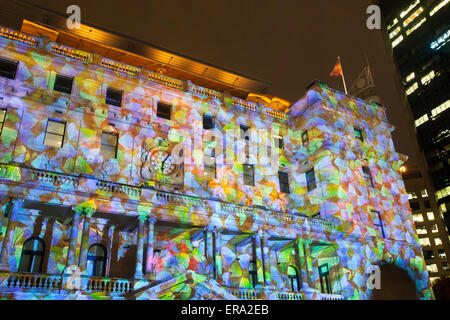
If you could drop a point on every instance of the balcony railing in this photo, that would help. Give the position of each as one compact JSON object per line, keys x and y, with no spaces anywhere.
{"x":327,"y":296}
{"x":244,"y":293}
{"x":290,"y":296}
{"x":33,"y":281}
{"x":98,"y":284}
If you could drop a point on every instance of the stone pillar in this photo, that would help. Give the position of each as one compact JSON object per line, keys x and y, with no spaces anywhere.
{"x":10,"y":222}
{"x":140,"y":248}
{"x":149,"y":264}
{"x":305,"y":264}
{"x":111,"y":230}
{"x":73,"y":239}
{"x":84,"y":245}
{"x":265,"y":258}
{"x":218,"y":253}
{"x":261,"y":253}
{"x":209,"y":252}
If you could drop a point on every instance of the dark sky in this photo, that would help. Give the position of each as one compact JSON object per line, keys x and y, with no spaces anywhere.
{"x":285,"y":43}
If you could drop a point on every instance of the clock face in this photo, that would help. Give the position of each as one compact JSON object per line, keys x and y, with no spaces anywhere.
{"x":162,"y":162}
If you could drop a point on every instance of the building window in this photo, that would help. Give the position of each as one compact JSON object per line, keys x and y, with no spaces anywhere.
{"x":418,"y":217}
{"x":278,"y":141}
{"x":434,"y":228}
{"x":305,"y":138}
{"x":249,"y":175}
{"x":424,"y":242}
{"x":109,"y":145}
{"x":428,"y":254}
{"x":8,"y":69}
{"x":244,"y":132}
{"x":427,"y":204}
{"x":430,"y":216}
{"x":367,"y":177}
{"x":283,"y":179}
{"x":325,"y":284}
{"x":54,"y":133}
{"x":412,"y":88}
{"x":63,"y":84}
{"x":253,"y":272}
{"x":414,"y":205}
{"x":310,"y":180}
{"x":432,"y":267}
{"x":96,"y":260}
{"x":437,"y":241}
{"x":294,"y":278}
{"x":164,"y":110}
{"x":358,"y":134}
{"x":441,"y":254}
{"x":208,"y":122}
{"x":445,"y":266}
{"x":378,"y":222}
{"x":422,"y":230}
{"x":210,"y":168}
{"x":32,"y":255}
{"x":412,"y":195}
{"x":2,"y":119}
{"x":114,"y":97}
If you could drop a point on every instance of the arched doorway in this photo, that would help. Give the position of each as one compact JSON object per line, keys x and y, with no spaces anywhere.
{"x":294,"y":278}
{"x":96,"y":260}
{"x":32,"y":255}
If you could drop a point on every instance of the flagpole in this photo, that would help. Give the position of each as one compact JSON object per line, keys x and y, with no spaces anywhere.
{"x":343,"y":79}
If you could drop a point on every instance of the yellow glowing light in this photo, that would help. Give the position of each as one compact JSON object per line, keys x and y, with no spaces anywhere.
{"x":403,"y":169}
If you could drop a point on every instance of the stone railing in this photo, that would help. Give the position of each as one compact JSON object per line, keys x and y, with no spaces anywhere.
{"x":178,"y":198}
{"x":109,"y":285}
{"x":165,"y":80}
{"x":33,"y":281}
{"x":328,"y":296}
{"x":205,"y":92}
{"x":244,"y":104}
{"x":55,"y":179}
{"x":116,"y":188}
{"x":289,"y":296}
{"x":245,"y":294}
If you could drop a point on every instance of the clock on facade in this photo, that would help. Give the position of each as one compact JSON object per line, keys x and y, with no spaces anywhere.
{"x":162,"y":162}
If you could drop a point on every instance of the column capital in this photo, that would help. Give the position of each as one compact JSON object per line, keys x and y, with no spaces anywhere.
{"x":152,"y":220}
{"x":88,"y":208}
{"x":261,"y":234}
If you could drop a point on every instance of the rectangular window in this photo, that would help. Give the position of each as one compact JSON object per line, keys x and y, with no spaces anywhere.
{"x":114,"y":97}
{"x":283,"y":179}
{"x":210,"y":171}
{"x":8,"y":69}
{"x":428,"y":254}
{"x":432,"y":268}
{"x":424,"y":242}
{"x":418,"y":217}
{"x":310,"y":180}
{"x":63,"y":84}
{"x":414,"y":205}
{"x":378,"y":222}
{"x":208,"y":122}
{"x":109,"y":145}
{"x":430,"y":216}
{"x":422,"y":230}
{"x":278,"y":141}
{"x":437,"y":241}
{"x":305,"y":138}
{"x":367,"y":177}
{"x":2,"y":119}
{"x":164,"y":110}
{"x":54,"y":133}
{"x":434,"y":228}
{"x":244,"y":132}
{"x":325,"y":283}
{"x":249,"y":175}
{"x":358,"y":134}
{"x":441,"y":254}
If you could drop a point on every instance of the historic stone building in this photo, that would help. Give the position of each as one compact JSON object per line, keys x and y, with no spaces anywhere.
{"x":113,"y":183}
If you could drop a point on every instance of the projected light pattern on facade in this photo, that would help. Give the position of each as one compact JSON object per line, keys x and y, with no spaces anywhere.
{"x":95,"y":204}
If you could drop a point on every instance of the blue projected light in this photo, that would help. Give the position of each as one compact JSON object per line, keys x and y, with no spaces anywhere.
{"x":439,"y":43}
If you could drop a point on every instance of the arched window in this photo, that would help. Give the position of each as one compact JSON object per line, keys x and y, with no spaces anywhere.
{"x":96,"y":260}
{"x":32,"y":255}
{"x":293,"y":277}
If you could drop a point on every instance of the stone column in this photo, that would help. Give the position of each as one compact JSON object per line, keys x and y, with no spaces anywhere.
{"x":10,"y":222}
{"x":265,"y":258}
{"x":149,"y":264}
{"x":209,"y":252}
{"x":218,"y":253}
{"x":73,"y":239}
{"x":261,"y":253}
{"x":305,"y":264}
{"x":111,"y":240}
{"x":84,"y":245}
{"x":140,"y":248}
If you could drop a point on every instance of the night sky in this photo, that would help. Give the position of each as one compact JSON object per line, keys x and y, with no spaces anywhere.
{"x":285,"y":43}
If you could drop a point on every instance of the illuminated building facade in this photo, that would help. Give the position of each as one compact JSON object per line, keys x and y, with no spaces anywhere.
{"x":110,"y":187}
{"x":418,"y":33}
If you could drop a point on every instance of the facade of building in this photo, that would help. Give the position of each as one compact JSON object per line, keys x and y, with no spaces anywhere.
{"x":418,"y":33}
{"x":110,"y":188}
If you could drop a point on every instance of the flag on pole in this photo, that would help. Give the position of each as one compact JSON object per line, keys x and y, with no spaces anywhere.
{"x":364,"y":87}
{"x":337,"y":71}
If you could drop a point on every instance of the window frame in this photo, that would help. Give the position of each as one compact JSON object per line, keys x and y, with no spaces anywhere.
{"x":286,"y":185}
{"x":8,"y":61}
{"x":57,"y":134}
{"x":305,"y":140}
{"x":33,"y":254}
{"x":117,"y":91}
{"x":314,"y":185}
{"x":361,"y":138}
{"x":4,"y":119}
{"x":66,"y":78}
{"x":377,"y":214}
{"x":368,"y":174}
{"x":96,"y":258}
{"x":213,"y":119}
{"x":246,"y":175}
{"x":108,"y":145}
{"x":165,"y":105}
{"x":327,"y":281}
